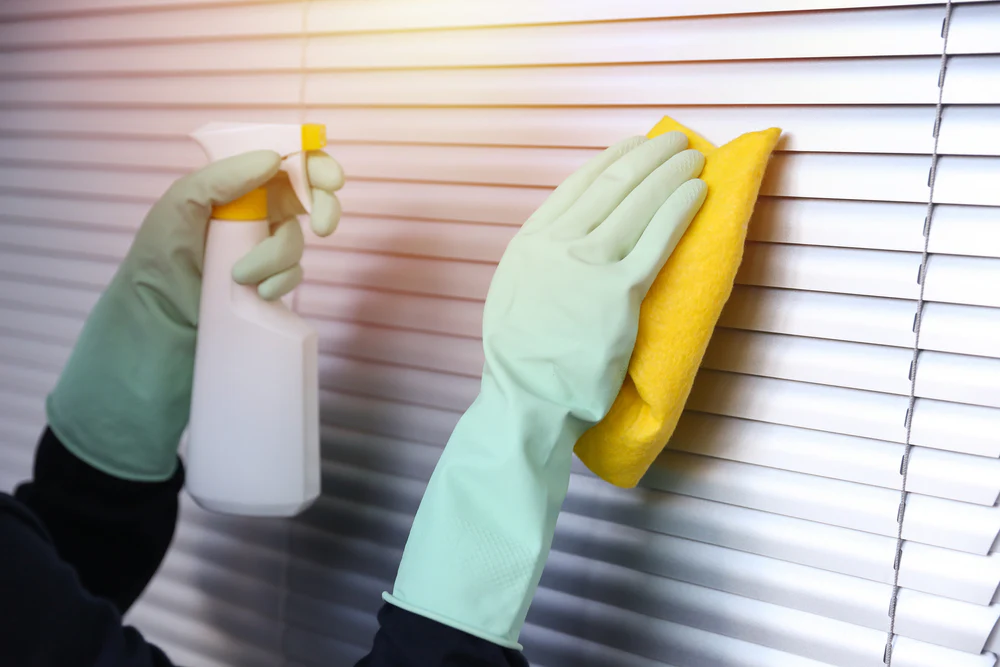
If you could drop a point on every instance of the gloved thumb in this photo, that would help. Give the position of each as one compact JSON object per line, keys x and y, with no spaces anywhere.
{"x":229,"y":179}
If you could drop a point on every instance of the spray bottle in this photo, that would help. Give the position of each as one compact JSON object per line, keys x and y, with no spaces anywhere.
{"x":253,"y":445}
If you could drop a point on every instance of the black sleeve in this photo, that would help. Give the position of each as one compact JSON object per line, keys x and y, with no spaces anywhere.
{"x":49,"y":619}
{"x":113,"y":532}
{"x":405,"y":639}
{"x":77,"y":547}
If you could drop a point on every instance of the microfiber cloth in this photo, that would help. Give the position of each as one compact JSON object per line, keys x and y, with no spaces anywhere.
{"x":680,"y":310}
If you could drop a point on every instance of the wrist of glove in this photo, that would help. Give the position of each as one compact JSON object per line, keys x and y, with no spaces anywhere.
{"x":123,"y":398}
{"x":559,"y":325}
{"x":485,"y":524}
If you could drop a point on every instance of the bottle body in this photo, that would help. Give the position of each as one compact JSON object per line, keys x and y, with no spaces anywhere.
{"x":253,"y":446}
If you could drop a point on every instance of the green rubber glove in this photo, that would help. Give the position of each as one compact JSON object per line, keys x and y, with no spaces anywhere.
{"x":559,"y":325}
{"x":123,"y":398}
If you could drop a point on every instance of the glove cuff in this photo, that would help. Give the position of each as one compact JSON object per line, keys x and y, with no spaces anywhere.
{"x":123,"y":398}
{"x":484,"y":528}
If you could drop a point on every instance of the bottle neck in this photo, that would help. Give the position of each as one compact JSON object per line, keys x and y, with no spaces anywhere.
{"x":251,"y":207}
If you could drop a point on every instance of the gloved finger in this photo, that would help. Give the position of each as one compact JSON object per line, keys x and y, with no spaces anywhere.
{"x":570,"y":190}
{"x":664,"y":232}
{"x":229,"y":179}
{"x":325,"y":212}
{"x":278,"y":252}
{"x":324,"y":172}
{"x":615,"y":183}
{"x":615,"y":237}
{"x":280,"y":284}
{"x":325,"y":177}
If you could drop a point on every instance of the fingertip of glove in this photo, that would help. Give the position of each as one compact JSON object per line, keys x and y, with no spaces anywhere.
{"x":241,"y":272}
{"x":281,"y":284}
{"x":325,"y":173}
{"x":693,"y":191}
{"x":689,"y":161}
{"x":675,"y":140}
{"x":626,"y":145}
{"x":325,"y":213}
{"x":696,"y":156}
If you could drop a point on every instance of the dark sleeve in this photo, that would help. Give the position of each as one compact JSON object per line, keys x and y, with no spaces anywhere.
{"x":49,"y":619}
{"x":405,"y":639}
{"x":113,"y":532}
{"x":77,"y":548}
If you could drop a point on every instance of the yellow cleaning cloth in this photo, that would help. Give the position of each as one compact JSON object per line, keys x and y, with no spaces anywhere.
{"x":680,"y":310}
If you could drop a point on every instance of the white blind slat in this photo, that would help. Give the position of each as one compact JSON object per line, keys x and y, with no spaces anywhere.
{"x":946,"y":327}
{"x":777,"y":626}
{"x":858,"y":129}
{"x":934,"y":521}
{"x":876,"y":462}
{"x":878,"y":32}
{"x":364,"y":15}
{"x":950,"y":426}
{"x":850,"y":81}
{"x":876,"y":368}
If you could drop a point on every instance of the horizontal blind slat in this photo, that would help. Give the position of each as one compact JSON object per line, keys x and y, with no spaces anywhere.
{"x":610,"y":625}
{"x":856,"y":129}
{"x":972,"y":80}
{"x":825,"y":593}
{"x":799,"y":175}
{"x":239,"y":625}
{"x":251,"y":19}
{"x":924,"y":567}
{"x":947,"y":377}
{"x":34,"y":380}
{"x":367,"y":15}
{"x":942,"y":425}
{"x":944,"y":523}
{"x":944,"y":327}
{"x":768,"y":624}
{"x":864,"y":33}
{"x":91,"y":273}
{"x":836,"y":81}
{"x":171,"y":626}
{"x":876,"y":462}
{"x":94,"y":213}
{"x":41,"y":354}
{"x":393,"y":311}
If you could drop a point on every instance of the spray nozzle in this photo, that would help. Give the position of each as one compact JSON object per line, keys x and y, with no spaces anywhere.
{"x":291,"y":141}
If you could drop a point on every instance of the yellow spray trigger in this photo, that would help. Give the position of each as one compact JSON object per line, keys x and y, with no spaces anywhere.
{"x":313,"y":136}
{"x":291,"y":141}
{"x":680,"y":310}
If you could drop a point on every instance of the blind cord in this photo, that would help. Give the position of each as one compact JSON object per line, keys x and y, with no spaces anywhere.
{"x":904,"y":465}
{"x":290,"y":526}
{"x":303,"y":73}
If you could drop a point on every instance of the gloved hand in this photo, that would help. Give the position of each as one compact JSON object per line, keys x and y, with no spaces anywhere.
{"x":123,"y":398}
{"x":559,"y":325}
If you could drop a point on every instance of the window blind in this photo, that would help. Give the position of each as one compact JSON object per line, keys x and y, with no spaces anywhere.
{"x":766,"y":533}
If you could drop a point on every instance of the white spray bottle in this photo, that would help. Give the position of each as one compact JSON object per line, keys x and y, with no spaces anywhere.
{"x":253,"y":445}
